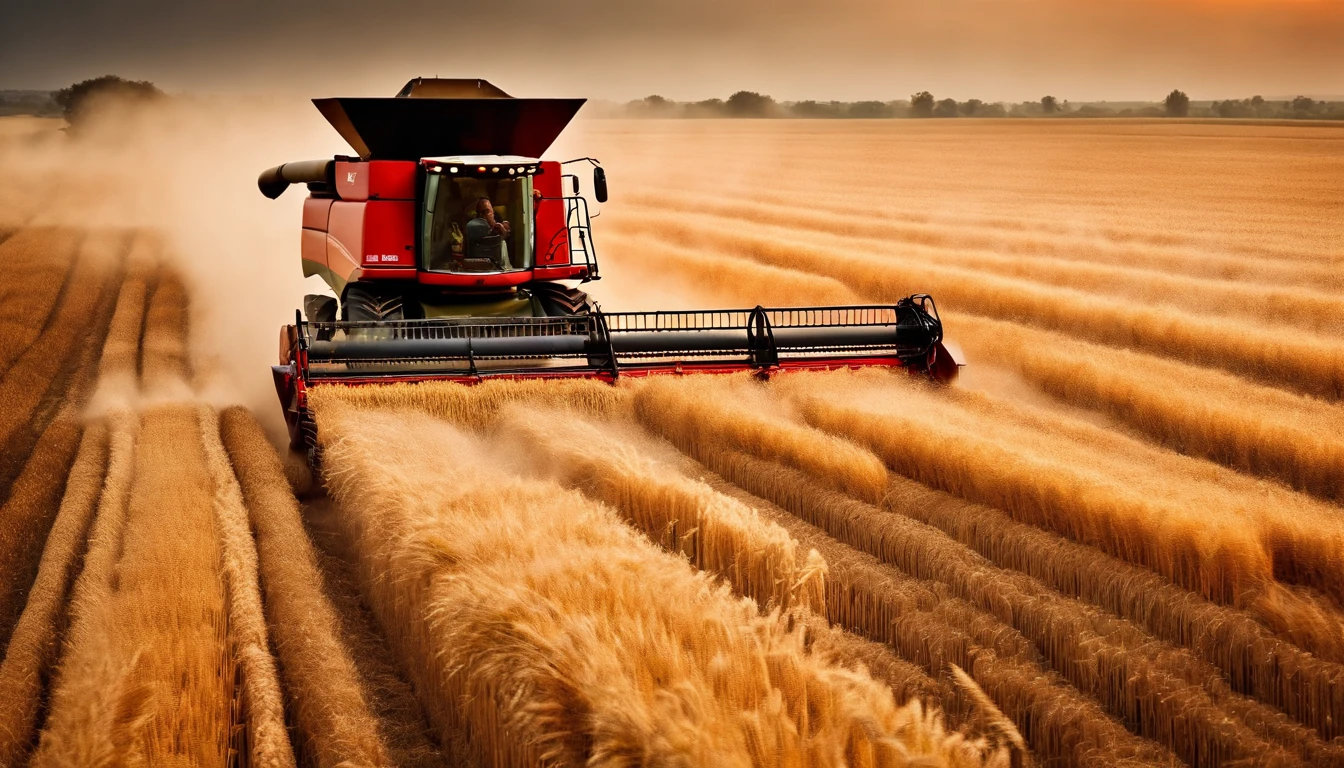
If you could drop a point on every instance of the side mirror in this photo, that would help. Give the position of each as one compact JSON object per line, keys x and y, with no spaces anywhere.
{"x":575,"y":180}
{"x":600,"y":184}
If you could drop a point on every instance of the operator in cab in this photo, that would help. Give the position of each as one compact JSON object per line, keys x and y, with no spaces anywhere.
{"x":485,"y":237}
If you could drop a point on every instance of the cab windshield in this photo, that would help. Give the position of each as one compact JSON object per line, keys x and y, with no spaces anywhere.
{"x":477,"y":225}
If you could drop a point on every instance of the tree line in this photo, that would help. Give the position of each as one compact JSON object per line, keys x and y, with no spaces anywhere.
{"x":750,"y":104}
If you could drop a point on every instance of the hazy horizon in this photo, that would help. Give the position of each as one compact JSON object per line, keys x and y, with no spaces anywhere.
{"x":995,"y":50}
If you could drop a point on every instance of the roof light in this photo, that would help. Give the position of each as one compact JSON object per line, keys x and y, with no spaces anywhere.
{"x":495,"y":169}
{"x":453,"y":169}
{"x":512,"y":171}
{"x":481,"y":169}
{"x":438,"y":168}
{"x":533,"y":169}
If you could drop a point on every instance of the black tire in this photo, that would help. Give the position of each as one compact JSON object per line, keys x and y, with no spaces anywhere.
{"x":320,"y":309}
{"x":366,"y":302}
{"x":556,"y":300}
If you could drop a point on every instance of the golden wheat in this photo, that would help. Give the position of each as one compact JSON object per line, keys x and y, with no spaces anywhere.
{"x":41,"y":258}
{"x":31,"y":653}
{"x":147,"y":674}
{"x":476,"y":406}
{"x":443,"y":542}
{"x":331,"y":712}
{"x":1196,"y":411}
{"x":955,"y":232}
{"x":1039,"y":481}
{"x":1123,"y":667}
{"x":1070,"y":632}
{"x":717,"y":534}
{"x":163,"y":347}
{"x":262,"y":702}
{"x":1310,"y":363}
{"x":1065,"y":262}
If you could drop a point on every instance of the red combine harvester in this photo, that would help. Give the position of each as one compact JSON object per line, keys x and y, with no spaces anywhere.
{"x":454,"y":250}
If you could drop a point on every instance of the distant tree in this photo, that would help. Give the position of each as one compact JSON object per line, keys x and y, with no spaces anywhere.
{"x":706,"y":108}
{"x":921,"y":104}
{"x":815,"y":109}
{"x":972,"y":107}
{"x":1049,"y":105}
{"x":750,"y":104}
{"x":869,"y":109}
{"x":946,"y":108}
{"x":78,"y":101}
{"x":993,"y":110}
{"x":1177,"y":104}
{"x":1303,"y":104}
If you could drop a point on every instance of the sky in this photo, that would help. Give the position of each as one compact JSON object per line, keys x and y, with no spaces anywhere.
{"x":1009,"y":50}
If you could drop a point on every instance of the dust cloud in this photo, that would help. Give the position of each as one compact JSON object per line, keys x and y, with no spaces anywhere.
{"x":186,"y":170}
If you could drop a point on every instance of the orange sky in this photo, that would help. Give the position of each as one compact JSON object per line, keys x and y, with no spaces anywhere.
{"x":693,"y":49}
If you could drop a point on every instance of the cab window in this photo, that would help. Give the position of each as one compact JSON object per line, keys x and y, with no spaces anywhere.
{"x":477,"y":225}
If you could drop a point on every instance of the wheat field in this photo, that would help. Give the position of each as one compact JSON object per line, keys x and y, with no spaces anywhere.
{"x":1117,"y":540}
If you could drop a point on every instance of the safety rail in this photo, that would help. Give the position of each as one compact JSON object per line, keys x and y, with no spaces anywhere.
{"x":578,"y":236}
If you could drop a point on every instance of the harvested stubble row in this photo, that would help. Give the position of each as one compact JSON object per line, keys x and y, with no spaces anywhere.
{"x":266,"y":742}
{"x":32,"y":650}
{"x":163,"y":363}
{"x":41,"y":259}
{"x":1308,"y":363}
{"x":562,"y":664}
{"x":331,"y":716}
{"x":685,"y":517}
{"x":147,"y":673}
{"x":1196,"y":411}
{"x":58,"y":366}
{"x":1150,"y":685}
{"x":927,"y":625}
{"x":1300,"y":307}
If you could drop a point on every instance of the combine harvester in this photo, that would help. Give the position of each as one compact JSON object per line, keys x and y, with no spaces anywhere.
{"x":454,"y":250}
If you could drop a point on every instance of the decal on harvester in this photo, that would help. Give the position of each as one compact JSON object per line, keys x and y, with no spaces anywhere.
{"x":374,"y":258}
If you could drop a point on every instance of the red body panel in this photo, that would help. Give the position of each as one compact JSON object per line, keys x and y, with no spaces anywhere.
{"x":313,"y":247}
{"x":316,"y":211}
{"x":551,"y":233}
{"x":371,"y":237}
{"x":376,"y":180}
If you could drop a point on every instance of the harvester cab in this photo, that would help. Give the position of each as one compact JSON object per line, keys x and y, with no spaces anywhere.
{"x":457,"y":253}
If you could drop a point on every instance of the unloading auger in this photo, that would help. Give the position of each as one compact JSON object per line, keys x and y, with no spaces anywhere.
{"x":456,"y":253}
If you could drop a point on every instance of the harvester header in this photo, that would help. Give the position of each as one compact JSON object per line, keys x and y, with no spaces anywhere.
{"x":455,"y":252}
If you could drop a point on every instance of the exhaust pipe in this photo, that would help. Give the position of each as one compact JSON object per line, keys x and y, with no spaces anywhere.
{"x":274,"y":181}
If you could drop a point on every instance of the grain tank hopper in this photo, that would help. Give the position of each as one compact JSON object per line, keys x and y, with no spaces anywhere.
{"x":458,"y":254}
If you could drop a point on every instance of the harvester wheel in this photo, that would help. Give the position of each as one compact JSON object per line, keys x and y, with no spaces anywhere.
{"x":320,"y":309}
{"x":363,"y":302}
{"x":559,"y":301}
